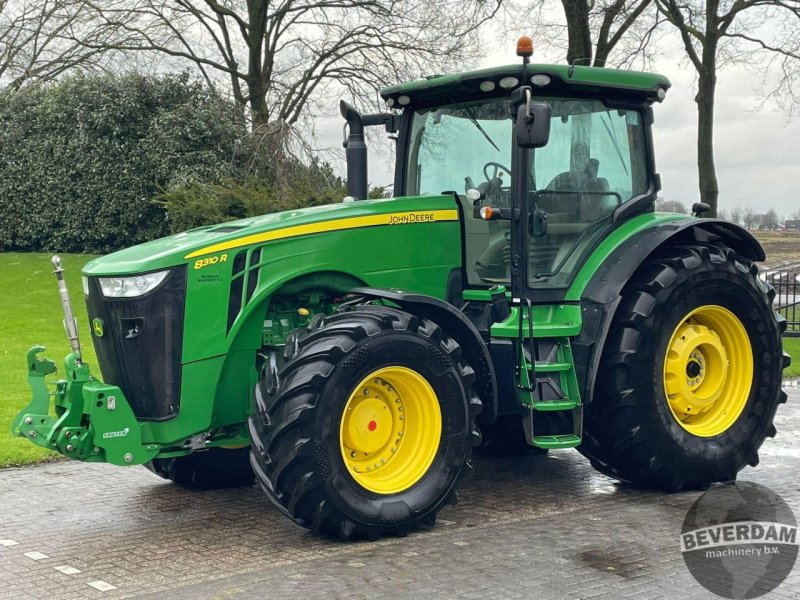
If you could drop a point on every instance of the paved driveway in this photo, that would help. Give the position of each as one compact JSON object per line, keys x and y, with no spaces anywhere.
{"x":531,"y":527}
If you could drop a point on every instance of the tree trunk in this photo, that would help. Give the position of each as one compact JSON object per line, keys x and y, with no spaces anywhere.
{"x":579,"y":50}
{"x":258,"y":105}
{"x":707,"y":171}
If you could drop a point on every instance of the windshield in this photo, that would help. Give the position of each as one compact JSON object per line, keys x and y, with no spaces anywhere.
{"x":594,"y":161}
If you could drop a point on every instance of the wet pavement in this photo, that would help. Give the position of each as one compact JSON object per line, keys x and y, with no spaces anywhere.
{"x":526,"y":527}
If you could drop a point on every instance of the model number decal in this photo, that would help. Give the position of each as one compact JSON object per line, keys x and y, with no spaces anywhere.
{"x":211,"y":260}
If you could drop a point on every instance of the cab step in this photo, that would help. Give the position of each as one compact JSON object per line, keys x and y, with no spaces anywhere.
{"x":549,"y":405}
{"x":556,"y":441}
{"x":552,"y":367}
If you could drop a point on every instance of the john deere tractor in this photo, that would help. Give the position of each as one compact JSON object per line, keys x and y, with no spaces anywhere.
{"x":519,"y":283}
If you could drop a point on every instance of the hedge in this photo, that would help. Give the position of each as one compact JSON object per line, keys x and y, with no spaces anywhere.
{"x":81,"y":160}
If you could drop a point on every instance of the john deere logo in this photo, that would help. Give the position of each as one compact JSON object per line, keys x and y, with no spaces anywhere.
{"x":97,"y":327}
{"x":739,"y":540}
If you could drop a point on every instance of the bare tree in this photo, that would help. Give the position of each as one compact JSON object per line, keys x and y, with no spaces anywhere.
{"x":750,"y":218}
{"x":675,"y":206}
{"x":280,"y":58}
{"x":627,"y":26}
{"x":717,"y":33}
{"x":38,"y":40}
{"x":736,"y":215}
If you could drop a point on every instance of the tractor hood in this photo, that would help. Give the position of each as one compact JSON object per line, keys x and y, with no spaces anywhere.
{"x":195,"y":244}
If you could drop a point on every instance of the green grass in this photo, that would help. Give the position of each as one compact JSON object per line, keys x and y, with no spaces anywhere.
{"x":30,"y":313}
{"x":792,"y":346}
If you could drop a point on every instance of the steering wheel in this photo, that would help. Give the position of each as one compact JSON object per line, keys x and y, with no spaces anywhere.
{"x":497,"y":168}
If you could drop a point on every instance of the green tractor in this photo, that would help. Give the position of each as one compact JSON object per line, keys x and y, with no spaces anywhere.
{"x":518,"y":286}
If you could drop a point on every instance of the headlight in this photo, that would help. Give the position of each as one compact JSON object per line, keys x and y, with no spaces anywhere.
{"x":130,"y":287}
{"x":85,"y":281}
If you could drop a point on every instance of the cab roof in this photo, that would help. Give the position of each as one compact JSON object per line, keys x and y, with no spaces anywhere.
{"x":564,"y":79}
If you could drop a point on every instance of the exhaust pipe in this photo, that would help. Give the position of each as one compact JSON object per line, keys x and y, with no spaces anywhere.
{"x":355,"y":152}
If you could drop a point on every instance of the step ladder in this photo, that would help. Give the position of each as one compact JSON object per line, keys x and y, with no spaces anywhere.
{"x":549,"y":389}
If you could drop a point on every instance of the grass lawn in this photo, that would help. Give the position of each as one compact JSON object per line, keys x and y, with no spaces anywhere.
{"x":30,"y":313}
{"x":792,"y":346}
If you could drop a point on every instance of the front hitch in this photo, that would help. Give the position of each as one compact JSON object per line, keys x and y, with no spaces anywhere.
{"x":93,"y":421}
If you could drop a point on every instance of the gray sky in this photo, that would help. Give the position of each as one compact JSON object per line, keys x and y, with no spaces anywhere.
{"x":757,"y":151}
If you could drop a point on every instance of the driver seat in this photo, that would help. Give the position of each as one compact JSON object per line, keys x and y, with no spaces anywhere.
{"x":577,"y":207}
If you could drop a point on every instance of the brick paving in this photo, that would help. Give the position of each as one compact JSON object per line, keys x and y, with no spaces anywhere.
{"x":528,"y":527}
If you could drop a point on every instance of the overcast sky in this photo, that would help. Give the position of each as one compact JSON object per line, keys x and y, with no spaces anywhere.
{"x":757,"y":151}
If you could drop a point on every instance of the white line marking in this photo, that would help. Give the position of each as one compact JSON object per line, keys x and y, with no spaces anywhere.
{"x":102,"y":586}
{"x":67,"y":570}
{"x":7,"y":543}
{"x":443,"y":522}
{"x":36,"y":555}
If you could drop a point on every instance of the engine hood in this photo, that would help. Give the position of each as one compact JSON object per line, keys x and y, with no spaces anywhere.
{"x":196,"y":244}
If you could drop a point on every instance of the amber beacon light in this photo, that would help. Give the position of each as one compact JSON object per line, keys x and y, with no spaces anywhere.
{"x":525,"y":47}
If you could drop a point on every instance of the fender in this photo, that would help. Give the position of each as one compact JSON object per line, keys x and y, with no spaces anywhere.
{"x":602,"y":294}
{"x":457,"y":326}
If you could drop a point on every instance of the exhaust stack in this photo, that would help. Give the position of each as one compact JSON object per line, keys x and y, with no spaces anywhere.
{"x":355,"y":152}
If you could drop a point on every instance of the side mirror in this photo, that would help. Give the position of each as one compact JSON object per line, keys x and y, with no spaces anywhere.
{"x":533,"y":124}
{"x":537,"y":223}
{"x":700,"y":208}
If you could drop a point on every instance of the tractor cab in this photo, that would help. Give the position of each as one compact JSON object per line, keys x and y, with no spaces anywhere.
{"x":533,"y":214}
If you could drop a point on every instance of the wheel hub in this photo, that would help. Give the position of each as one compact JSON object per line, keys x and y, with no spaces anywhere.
{"x":390,"y":430}
{"x":708,"y":370}
{"x":369,"y":423}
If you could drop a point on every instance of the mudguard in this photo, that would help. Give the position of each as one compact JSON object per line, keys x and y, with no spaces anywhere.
{"x":601,"y":295}
{"x":457,"y":326}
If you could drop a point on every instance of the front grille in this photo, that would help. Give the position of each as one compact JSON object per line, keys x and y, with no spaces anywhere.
{"x":140,"y":349}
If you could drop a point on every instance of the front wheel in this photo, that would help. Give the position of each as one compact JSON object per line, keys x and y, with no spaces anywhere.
{"x":371,"y":426}
{"x":691,"y":373}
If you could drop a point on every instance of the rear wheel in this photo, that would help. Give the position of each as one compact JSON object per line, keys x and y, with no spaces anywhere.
{"x":210,"y":469}
{"x":691,"y":373}
{"x":371,"y":426}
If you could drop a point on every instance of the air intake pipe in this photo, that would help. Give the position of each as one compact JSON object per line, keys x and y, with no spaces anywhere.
{"x":355,"y":152}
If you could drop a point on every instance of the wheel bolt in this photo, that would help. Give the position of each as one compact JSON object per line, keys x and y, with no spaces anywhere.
{"x":69,"y":448}
{"x":28,"y":420}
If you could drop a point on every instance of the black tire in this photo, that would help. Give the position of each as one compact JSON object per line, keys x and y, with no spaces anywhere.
{"x":215,"y":468}
{"x":296,"y":452}
{"x":630,"y":432}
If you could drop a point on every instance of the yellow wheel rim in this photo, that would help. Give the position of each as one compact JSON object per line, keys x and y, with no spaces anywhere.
{"x":390,"y":430}
{"x":708,"y":371}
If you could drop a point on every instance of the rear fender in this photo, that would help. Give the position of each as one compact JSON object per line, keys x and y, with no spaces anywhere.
{"x":602,"y":293}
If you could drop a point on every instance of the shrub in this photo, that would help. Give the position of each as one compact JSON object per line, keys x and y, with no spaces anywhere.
{"x":81,"y":160}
